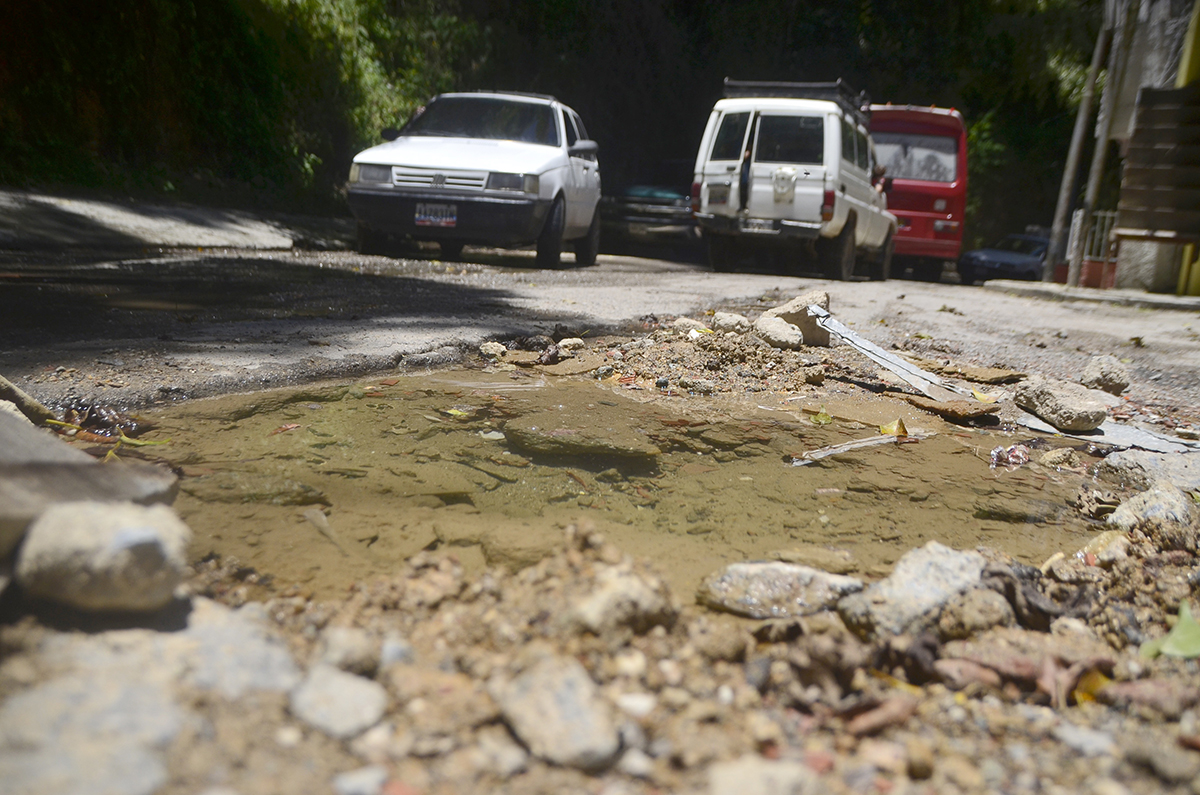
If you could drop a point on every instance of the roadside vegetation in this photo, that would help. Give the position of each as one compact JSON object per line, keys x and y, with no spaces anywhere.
{"x":266,"y":101}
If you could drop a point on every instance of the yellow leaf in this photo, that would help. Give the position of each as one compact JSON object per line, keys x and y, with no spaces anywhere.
{"x":894,"y":428}
{"x":982,"y":398}
{"x":1089,"y":685}
{"x":821,"y":418}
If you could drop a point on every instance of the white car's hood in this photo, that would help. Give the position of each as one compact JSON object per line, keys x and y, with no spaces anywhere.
{"x":464,"y":153}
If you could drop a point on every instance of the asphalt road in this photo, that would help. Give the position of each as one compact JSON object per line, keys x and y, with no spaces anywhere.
{"x":131,"y":303}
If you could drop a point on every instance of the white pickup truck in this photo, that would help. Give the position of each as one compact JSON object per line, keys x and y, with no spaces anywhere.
{"x":788,"y":170}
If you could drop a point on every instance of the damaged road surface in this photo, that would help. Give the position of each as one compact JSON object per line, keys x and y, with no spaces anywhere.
{"x":586,"y":557}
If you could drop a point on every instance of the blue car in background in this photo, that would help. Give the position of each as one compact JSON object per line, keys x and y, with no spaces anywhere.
{"x":1014,"y":257}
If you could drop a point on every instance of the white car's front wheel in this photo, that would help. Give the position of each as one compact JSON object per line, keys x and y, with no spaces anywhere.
{"x":549,"y":243}
{"x":587,"y":248}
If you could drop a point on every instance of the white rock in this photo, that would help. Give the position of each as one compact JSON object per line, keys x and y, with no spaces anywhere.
{"x":571,"y":344}
{"x":105,"y":556}
{"x":637,"y":705}
{"x":493,"y":350}
{"x":754,"y":775}
{"x":349,"y":648}
{"x":364,"y":781}
{"x":730,"y":321}
{"x":687,"y":324}
{"x":796,"y":313}
{"x":623,"y":598}
{"x":339,"y":704}
{"x":556,"y":711}
{"x":778,"y":333}
{"x":636,"y":763}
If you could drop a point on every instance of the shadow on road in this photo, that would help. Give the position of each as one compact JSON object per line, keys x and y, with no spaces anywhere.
{"x":162,"y":297}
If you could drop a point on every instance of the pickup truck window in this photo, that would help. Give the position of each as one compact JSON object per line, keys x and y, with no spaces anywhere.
{"x":791,"y":139}
{"x":862,"y":158}
{"x":728,"y":145}
{"x":847,"y":142}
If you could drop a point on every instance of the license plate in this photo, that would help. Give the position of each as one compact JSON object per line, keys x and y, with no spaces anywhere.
{"x":718,"y":194}
{"x":760,"y":225}
{"x":439,"y":215}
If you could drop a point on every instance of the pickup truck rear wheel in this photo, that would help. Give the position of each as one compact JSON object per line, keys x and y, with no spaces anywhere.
{"x":549,"y":242}
{"x":881,"y":266}
{"x":451,"y":249}
{"x":720,"y":253}
{"x":837,"y":254}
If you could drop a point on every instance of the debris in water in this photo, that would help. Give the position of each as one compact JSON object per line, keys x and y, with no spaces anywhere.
{"x":291,"y":426}
{"x":894,"y":428}
{"x":804,"y":459}
{"x":1011,"y":457}
{"x":317,"y":518}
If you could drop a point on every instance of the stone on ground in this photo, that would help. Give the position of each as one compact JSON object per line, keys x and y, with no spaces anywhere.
{"x":1066,"y":406}
{"x":105,"y":556}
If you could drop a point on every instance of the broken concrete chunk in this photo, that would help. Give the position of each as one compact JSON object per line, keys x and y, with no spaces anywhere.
{"x":1066,"y":406}
{"x":795,"y":312}
{"x":1105,"y":372}
{"x":778,"y":333}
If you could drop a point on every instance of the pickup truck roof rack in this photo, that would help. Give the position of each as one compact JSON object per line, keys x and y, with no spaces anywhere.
{"x":857,"y":105}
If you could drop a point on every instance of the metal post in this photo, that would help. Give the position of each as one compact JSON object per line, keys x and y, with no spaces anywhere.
{"x":1082,"y":118}
{"x":1118,"y":57}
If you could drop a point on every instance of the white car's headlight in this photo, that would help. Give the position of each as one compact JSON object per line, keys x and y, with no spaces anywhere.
{"x":527,"y":183}
{"x":362,"y":172}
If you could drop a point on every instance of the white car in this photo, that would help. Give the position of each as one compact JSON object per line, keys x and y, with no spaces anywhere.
{"x":790,"y":169}
{"x":488,"y":168}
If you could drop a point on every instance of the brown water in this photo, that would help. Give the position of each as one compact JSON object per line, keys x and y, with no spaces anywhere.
{"x":326,"y":485}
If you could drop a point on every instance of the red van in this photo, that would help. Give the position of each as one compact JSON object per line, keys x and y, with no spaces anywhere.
{"x":924,"y":150}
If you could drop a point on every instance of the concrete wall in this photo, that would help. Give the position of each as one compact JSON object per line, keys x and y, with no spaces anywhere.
{"x":1153,"y":267}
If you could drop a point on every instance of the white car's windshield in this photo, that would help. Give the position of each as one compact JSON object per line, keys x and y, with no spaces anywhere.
{"x":933,"y":158}
{"x":486,"y":117}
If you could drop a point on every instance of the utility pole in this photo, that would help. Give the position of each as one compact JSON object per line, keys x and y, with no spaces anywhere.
{"x":1058,"y":231}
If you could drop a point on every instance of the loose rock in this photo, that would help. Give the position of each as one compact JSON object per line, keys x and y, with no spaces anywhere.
{"x":773,"y":589}
{"x":554,"y":708}
{"x":1105,"y":372}
{"x":778,"y":333}
{"x":339,"y":704}
{"x":795,"y":312}
{"x":105,"y":556}
{"x":923,"y":581}
{"x":1066,"y":406}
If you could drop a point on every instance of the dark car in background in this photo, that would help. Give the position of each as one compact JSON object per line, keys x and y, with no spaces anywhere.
{"x":651,"y":214}
{"x":1013,"y":257}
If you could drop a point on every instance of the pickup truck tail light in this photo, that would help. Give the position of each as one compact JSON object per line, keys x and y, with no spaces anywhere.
{"x":945,"y":226}
{"x":827,"y":206}
{"x":695,"y":197}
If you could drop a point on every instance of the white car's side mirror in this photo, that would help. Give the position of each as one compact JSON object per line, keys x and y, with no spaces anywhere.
{"x":582,"y":148}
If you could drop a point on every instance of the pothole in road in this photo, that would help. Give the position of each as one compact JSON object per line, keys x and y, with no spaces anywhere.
{"x":323,"y":486}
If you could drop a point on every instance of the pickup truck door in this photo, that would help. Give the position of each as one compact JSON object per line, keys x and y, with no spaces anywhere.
{"x":719,"y":190}
{"x":787,"y":171}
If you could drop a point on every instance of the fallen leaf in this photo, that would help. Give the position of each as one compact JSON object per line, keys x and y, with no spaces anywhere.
{"x":894,"y":428}
{"x":821,"y":418}
{"x":1182,"y":641}
{"x":289,"y":427}
{"x":982,"y":398}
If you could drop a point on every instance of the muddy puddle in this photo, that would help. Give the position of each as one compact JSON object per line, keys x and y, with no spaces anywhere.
{"x":326,"y":485}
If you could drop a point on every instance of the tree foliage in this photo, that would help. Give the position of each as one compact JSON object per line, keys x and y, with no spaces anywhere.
{"x":277,"y":95}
